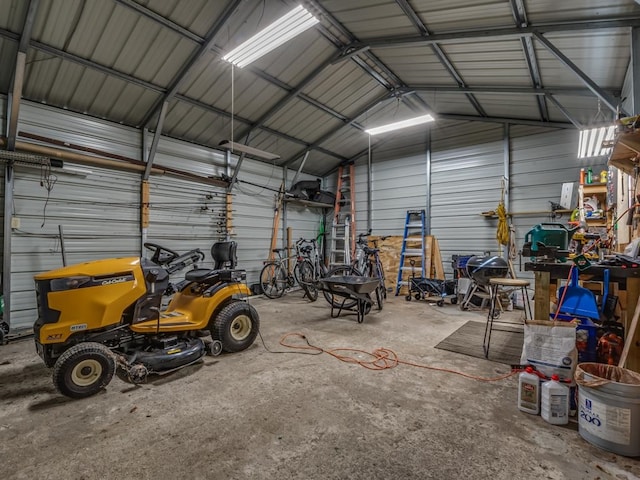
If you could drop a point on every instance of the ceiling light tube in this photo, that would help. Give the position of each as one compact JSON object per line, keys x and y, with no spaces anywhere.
{"x":410,"y":122}
{"x":282,"y":30}
{"x":582,"y":144}
{"x":591,"y":141}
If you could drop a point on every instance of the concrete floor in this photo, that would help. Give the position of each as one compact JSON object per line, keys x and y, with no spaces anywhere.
{"x":259,"y":415}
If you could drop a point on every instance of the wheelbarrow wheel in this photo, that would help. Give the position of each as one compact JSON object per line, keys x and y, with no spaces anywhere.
{"x":408,"y":298}
{"x":335,"y":300}
{"x":440,"y":303}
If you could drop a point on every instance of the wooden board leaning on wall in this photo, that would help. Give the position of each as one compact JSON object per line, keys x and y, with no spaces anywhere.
{"x":390,"y":248}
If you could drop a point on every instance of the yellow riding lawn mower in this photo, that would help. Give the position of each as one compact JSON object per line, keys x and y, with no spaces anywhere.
{"x":104,"y":317}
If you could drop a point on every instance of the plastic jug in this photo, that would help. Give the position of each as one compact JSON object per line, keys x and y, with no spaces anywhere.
{"x":529,"y":391}
{"x":555,"y":401}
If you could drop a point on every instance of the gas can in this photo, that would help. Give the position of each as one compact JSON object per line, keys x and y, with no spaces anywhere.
{"x":529,"y":392}
{"x":555,"y":401}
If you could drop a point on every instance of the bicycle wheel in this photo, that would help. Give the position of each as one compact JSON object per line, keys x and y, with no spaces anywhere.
{"x":307,"y":281}
{"x":382,"y":282}
{"x":273,"y":279}
{"x":379,"y":297}
{"x":336,"y":300}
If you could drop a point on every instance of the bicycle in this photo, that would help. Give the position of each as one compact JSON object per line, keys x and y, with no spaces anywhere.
{"x":312,"y":268}
{"x":275,"y":277}
{"x":371,"y":266}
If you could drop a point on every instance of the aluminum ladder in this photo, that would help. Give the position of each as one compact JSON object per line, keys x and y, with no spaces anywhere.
{"x":412,"y":248}
{"x":343,"y":228}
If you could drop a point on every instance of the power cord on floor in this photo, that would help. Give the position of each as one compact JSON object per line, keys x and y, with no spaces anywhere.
{"x":317,"y":352}
{"x":381,"y":358}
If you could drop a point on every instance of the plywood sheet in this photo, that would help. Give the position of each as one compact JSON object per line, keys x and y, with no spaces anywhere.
{"x":390,"y":248}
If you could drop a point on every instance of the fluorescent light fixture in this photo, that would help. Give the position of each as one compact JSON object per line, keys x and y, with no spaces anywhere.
{"x":282,"y":30}
{"x":410,"y":122}
{"x":591,"y":141}
{"x":252,"y":152}
{"x":83,"y":172}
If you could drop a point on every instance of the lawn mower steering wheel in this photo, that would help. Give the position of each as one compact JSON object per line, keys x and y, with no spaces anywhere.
{"x":161,"y":255}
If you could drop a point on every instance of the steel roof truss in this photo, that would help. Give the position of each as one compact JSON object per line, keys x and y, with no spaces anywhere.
{"x":205,"y":46}
{"x":599,"y":92}
{"x":439,"y":53}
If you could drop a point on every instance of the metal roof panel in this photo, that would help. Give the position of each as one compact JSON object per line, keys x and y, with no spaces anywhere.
{"x":414,"y":65}
{"x":344,"y":87}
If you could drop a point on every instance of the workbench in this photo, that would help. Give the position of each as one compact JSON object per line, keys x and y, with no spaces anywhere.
{"x":624,"y":283}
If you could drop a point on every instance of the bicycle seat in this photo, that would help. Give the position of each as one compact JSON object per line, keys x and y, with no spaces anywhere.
{"x":278,"y":250}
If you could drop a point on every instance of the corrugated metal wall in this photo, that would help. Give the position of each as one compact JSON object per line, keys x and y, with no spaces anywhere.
{"x":467,"y":167}
{"x":99,"y":209}
{"x":98,"y":214}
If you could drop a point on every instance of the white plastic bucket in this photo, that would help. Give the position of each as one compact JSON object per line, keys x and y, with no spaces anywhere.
{"x":609,"y":407}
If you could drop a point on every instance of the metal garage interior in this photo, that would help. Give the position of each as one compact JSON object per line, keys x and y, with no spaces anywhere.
{"x":125,"y":92}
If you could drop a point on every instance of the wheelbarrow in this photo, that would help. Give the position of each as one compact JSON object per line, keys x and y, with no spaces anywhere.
{"x":352,"y":288}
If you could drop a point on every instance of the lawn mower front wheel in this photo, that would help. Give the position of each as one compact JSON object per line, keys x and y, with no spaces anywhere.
{"x":83,"y":370}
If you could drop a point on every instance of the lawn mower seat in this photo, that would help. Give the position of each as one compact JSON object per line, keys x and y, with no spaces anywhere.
{"x":224,"y":260}
{"x":224,"y":255}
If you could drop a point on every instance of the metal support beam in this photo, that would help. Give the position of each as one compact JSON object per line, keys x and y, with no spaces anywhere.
{"x":292,"y":94}
{"x":149,"y":86}
{"x":428,"y":165}
{"x":498,"y":32}
{"x":235,"y":170}
{"x":439,"y":53}
{"x":635,"y":70}
{"x":506,"y":141}
{"x":15,"y":95}
{"x":154,"y":142}
{"x":13,"y":112}
{"x":599,"y":92}
{"x":509,"y":90}
{"x":6,"y":245}
{"x":329,"y":134}
{"x":564,"y":111}
{"x":230,"y":9}
{"x":150,"y":14}
{"x":13,"y":105}
{"x":300,"y":167}
{"x":369,"y":188}
{"x":285,"y":213}
{"x":515,"y":121}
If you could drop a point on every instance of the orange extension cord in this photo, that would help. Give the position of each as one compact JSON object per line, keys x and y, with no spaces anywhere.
{"x":381,"y":358}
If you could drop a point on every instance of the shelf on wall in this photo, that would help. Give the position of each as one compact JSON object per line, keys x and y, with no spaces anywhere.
{"x":626,"y":151}
{"x":308,"y":203}
{"x":493,"y":214}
